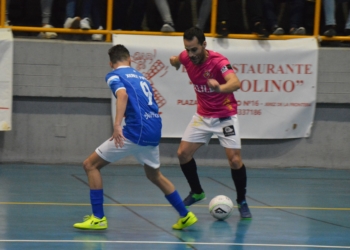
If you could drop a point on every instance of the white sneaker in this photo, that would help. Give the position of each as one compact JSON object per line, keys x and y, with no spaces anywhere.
{"x":72,"y":23}
{"x":298,"y":31}
{"x":97,"y":37}
{"x":85,"y":24}
{"x":167,"y":28}
{"x":47,"y":35}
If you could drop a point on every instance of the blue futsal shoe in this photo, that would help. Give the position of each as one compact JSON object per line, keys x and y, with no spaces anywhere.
{"x":244,"y":210}
{"x":193,"y":198}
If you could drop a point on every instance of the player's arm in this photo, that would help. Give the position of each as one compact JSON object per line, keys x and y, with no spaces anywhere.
{"x":175,"y":61}
{"x":232,"y":84}
{"x":122,"y":100}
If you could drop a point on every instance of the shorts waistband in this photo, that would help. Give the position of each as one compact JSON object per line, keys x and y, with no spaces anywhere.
{"x":221,"y":119}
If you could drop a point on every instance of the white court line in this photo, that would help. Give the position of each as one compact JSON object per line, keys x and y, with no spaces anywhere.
{"x":172,"y":243}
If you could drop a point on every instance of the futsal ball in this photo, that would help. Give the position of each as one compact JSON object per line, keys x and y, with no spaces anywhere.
{"x":221,"y":207}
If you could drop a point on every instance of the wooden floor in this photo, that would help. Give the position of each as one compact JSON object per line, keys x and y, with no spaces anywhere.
{"x":292,"y":209}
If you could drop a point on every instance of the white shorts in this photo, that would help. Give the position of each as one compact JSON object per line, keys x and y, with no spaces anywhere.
{"x":201,"y":129}
{"x":144,"y":154}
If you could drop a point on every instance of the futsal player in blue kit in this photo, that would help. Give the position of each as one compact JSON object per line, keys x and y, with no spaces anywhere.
{"x":139,"y":137}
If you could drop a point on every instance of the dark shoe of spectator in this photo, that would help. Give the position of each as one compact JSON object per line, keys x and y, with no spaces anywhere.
{"x":72,"y":23}
{"x":297,"y":31}
{"x":347,"y":32}
{"x":330,"y":31}
{"x":277,"y":30}
{"x":222,"y":29}
{"x":168,"y":27}
{"x":260,"y":31}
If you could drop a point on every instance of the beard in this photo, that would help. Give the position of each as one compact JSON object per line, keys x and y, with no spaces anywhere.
{"x":197,"y":59}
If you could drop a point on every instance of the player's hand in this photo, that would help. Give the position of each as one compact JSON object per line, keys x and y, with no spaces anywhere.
{"x":214,"y":85}
{"x":118,"y":136}
{"x":174,"y":61}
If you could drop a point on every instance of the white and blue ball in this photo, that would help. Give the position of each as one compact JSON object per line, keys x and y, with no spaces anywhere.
{"x":221,"y":207}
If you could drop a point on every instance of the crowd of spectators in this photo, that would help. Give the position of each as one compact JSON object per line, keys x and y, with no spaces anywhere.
{"x":260,"y":17}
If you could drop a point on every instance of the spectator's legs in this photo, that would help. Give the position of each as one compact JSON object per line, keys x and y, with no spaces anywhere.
{"x":329,"y":11}
{"x":256,"y":8}
{"x":45,"y":15}
{"x":223,"y":16}
{"x":120,"y":8}
{"x":96,"y":17}
{"x":163,"y":8}
{"x":271,"y":17}
{"x":96,"y":13}
{"x":7,"y":12}
{"x":87,"y":7}
{"x":72,"y":21}
{"x":347,"y":26}
{"x":270,"y":13}
{"x":257,"y":22}
{"x":70,"y":8}
{"x":296,"y":13}
{"x":223,"y":10}
{"x":85,"y":23}
{"x":138,"y":9}
{"x":204,"y":13}
{"x":46,"y":11}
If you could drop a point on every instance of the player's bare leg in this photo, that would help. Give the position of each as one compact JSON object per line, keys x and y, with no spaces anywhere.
{"x":189,"y":168}
{"x":92,"y":166}
{"x":97,"y":221}
{"x":239,"y":177}
{"x":234,"y":158}
{"x":186,"y":151}
{"x":156,"y":177}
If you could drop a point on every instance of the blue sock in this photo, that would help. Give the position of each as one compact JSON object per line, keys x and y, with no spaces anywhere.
{"x":96,"y":198}
{"x":176,"y":201}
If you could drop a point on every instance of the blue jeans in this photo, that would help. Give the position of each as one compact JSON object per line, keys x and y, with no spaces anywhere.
{"x":329,"y":11}
{"x":91,"y":9}
{"x":70,"y":8}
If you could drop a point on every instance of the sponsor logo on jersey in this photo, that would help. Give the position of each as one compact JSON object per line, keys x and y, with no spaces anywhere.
{"x":225,"y":68}
{"x":151,"y":115}
{"x":202,"y":88}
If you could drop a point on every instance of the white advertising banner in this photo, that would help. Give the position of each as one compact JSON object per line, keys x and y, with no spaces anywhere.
{"x":6,"y":67}
{"x":277,"y":98}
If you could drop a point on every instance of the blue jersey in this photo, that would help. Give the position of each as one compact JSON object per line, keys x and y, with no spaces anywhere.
{"x":143,"y":124}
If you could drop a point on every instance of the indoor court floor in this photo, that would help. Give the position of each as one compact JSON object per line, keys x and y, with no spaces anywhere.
{"x":292,"y":208}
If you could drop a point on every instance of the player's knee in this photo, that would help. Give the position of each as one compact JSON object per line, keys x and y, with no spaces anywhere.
{"x":235,"y":162}
{"x":183,"y":156}
{"x":87,"y":165}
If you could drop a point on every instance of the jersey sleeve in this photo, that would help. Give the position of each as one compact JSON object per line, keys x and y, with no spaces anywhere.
{"x":225,"y":67}
{"x":114,"y":83}
{"x":182,"y":57}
